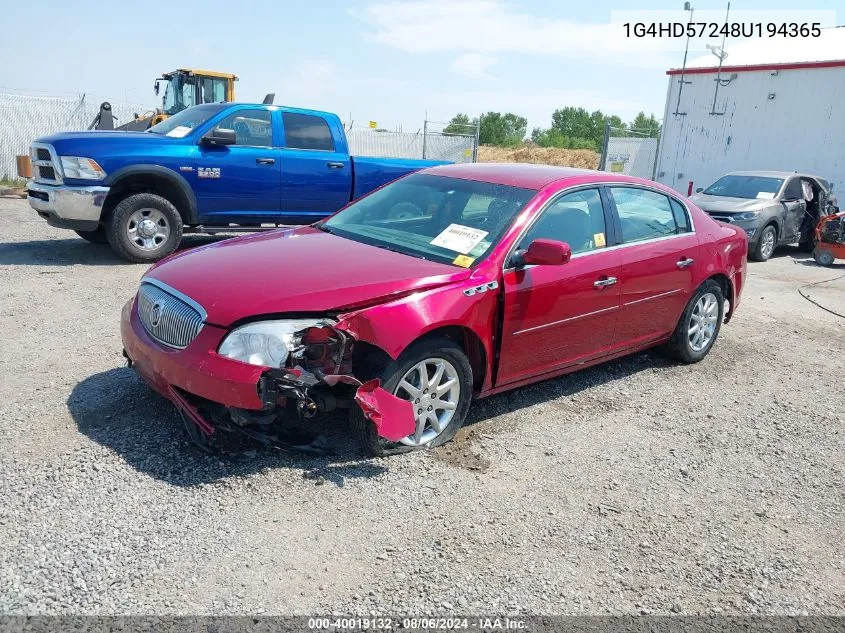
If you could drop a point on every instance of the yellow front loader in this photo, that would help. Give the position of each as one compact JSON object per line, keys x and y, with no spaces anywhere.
{"x":185,"y":87}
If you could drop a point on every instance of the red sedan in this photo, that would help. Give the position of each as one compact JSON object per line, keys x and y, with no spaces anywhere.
{"x":456,"y":282}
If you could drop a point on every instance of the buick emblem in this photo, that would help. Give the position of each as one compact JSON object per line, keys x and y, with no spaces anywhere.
{"x":155,"y":315}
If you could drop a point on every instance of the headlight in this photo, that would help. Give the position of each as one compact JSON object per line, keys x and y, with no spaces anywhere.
{"x":79,"y":167}
{"x":750,"y":215}
{"x":265,"y":343}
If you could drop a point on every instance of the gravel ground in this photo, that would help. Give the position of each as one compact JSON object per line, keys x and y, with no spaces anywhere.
{"x":640,"y":486}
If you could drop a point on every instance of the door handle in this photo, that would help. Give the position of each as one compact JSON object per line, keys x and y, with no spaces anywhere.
{"x":685,"y":263}
{"x":265,"y":161}
{"x":334,"y":165}
{"x":604,"y":283}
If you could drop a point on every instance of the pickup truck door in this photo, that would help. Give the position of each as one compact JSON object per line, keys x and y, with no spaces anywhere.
{"x":240,"y":182}
{"x":316,"y":166}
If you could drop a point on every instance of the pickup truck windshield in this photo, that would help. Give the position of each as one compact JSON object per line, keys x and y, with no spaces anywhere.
{"x":448,"y":220}
{"x":183,"y":122}
{"x":745,"y":187}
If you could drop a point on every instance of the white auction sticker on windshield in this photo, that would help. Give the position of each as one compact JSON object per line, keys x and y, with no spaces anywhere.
{"x":765,"y":195}
{"x":459,"y":238}
{"x":179,"y":131}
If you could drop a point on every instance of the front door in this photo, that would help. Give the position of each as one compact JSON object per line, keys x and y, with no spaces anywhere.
{"x":660,"y":258}
{"x":316,"y":175}
{"x":795,"y":207}
{"x":241,"y":180}
{"x":556,"y":316}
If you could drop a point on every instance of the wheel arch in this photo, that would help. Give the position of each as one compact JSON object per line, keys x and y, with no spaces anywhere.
{"x":374,"y":358}
{"x":155,"y":179}
{"x":727,"y":287}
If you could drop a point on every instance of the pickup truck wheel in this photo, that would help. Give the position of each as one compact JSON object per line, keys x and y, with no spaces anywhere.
{"x":144,"y":227}
{"x":436,"y":377}
{"x":95,"y":237}
{"x":699,"y":325}
{"x":765,"y":244}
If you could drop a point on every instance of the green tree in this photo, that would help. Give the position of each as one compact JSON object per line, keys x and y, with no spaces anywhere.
{"x":502,"y":129}
{"x":646,"y":124}
{"x":461,"y":124}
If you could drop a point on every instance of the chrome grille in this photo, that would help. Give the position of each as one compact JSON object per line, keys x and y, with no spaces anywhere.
{"x":45,"y":166}
{"x":168,"y":316}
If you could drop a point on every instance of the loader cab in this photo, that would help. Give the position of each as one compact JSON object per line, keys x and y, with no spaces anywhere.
{"x":188,"y":87}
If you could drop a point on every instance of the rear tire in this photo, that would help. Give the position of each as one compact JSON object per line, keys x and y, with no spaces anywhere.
{"x":697,"y":330}
{"x":144,"y":227}
{"x":97,"y":236}
{"x":431,"y":351}
{"x":766,"y":244}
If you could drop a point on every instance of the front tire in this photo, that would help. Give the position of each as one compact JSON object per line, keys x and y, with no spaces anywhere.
{"x":98,"y":236}
{"x":766,"y":244}
{"x":436,"y":377}
{"x":144,"y":227}
{"x":699,"y":324}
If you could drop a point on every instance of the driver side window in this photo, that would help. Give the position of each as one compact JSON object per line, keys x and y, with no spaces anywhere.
{"x":252,"y":127}
{"x":576,"y":218}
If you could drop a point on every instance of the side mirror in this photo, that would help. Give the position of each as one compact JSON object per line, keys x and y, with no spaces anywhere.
{"x":699,"y":190}
{"x":544,"y":252}
{"x":155,"y":87}
{"x":219,"y":136}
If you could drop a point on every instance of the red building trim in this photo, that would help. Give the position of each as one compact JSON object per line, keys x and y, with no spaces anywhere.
{"x":725,"y":69}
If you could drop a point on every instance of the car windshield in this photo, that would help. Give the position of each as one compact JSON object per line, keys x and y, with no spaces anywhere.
{"x":448,"y":220}
{"x":745,"y":187}
{"x":183,"y":122}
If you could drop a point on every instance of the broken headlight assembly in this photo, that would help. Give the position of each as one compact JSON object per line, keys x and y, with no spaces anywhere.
{"x":264,"y":343}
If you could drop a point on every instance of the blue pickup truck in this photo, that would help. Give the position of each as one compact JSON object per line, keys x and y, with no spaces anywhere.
{"x":212,"y":168}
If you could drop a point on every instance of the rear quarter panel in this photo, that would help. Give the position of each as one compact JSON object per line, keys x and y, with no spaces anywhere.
{"x":723,"y":250}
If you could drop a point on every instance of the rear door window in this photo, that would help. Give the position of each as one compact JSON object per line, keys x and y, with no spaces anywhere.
{"x":643,"y":214}
{"x":304,"y":131}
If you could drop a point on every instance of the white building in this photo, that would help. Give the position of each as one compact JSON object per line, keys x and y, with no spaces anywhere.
{"x":776,"y":104}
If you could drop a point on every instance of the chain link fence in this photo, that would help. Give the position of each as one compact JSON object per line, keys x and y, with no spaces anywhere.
{"x":428,"y":143}
{"x":24,"y":118}
{"x":630,"y":151}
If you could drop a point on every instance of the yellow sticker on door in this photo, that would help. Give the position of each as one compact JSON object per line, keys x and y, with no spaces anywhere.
{"x":598,"y":240}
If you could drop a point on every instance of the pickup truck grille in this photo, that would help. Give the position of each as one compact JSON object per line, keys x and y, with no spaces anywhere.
{"x":169,"y":319}
{"x":45,"y":168}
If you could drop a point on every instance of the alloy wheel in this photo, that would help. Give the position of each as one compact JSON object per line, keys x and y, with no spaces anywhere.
{"x":768,"y":246}
{"x":702,"y":323}
{"x":433,"y":387}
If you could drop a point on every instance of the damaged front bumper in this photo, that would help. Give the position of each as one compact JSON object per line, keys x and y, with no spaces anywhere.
{"x":204,"y":386}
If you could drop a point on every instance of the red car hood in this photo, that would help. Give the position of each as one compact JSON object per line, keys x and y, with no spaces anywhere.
{"x":295,"y":270}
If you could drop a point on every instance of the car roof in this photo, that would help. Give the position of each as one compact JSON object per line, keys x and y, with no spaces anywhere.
{"x":525,"y":175}
{"x":773,"y":174}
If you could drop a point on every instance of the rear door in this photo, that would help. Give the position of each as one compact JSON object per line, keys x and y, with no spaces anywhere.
{"x":316,"y":174}
{"x":659,"y":257}
{"x":556,"y":316}
{"x":241,"y":181}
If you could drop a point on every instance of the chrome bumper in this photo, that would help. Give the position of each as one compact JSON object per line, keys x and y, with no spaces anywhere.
{"x":67,"y":203}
